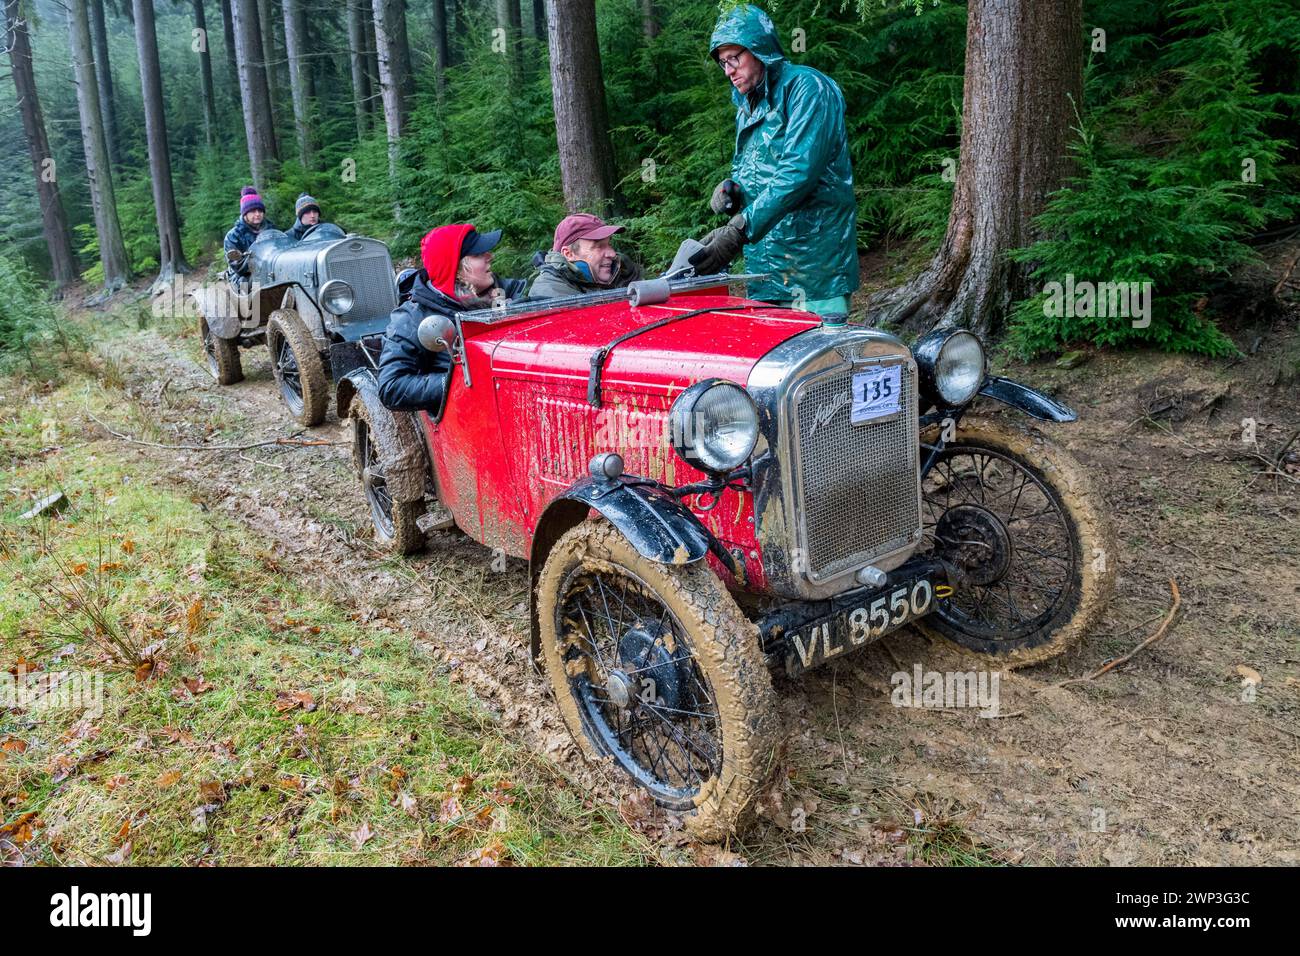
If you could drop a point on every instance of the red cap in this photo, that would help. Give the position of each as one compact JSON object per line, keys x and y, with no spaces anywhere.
{"x":582,"y":225}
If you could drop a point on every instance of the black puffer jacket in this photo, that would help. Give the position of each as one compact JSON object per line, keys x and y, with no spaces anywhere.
{"x":411,"y":378}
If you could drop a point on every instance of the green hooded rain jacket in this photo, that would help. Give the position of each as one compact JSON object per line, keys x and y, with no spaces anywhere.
{"x":792,"y":162}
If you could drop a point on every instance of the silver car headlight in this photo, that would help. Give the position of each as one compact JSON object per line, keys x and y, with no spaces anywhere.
{"x":952,"y":366}
{"x":714,"y":425}
{"x":337,"y":297}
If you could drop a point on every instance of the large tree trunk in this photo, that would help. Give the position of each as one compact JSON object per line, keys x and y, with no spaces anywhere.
{"x":538,"y":19}
{"x":266,"y":21}
{"x":63,"y":263}
{"x":255,"y":100}
{"x":441,"y":48}
{"x":372,"y":57}
{"x":205,"y":76}
{"x":1024,"y":80}
{"x":581,"y":121}
{"x":392,"y":82}
{"x":171,"y":258}
{"x":104,"y":79}
{"x":295,"y":42}
{"x":404,"y":51}
{"x":232,"y":61}
{"x":357,"y":15}
{"x":112,"y":250}
{"x":508,"y":22}
{"x":649,"y":19}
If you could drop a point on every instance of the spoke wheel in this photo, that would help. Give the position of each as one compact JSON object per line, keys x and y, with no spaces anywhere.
{"x":1020,"y":521}
{"x":297,"y":367}
{"x":657,"y":671}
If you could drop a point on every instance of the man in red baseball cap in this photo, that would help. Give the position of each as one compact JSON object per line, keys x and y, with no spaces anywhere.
{"x":583,"y":260}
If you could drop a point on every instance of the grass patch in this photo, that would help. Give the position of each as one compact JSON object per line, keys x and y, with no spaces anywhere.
{"x":261,"y":723}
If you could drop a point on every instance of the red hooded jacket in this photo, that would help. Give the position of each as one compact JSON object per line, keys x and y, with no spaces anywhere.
{"x":440,"y":254}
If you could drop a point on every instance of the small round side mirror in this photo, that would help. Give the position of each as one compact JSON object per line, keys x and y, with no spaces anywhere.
{"x":437,"y":333}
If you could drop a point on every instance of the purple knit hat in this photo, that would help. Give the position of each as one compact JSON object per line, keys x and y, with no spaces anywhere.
{"x":250,"y":200}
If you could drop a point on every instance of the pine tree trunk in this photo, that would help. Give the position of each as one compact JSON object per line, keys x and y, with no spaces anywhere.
{"x":171,"y":257}
{"x":1023,"y":83}
{"x":63,"y":263}
{"x":266,"y":21}
{"x":508,"y":22}
{"x":104,"y":78}
{"x":441,"y":51}
{"x":112,"y":250}
{"x":649,"y":19}
{"x":372,"y":58}
{"x":357,"y":14}
{"x":255,"y":99}
{"x":581,"y":120}
{"x":205,"y":76}
{"x":539,"y":20}
{"x":392,"y":84}
{"x":403,"y":43}
{"x":295,"y":38}
{"x":232,"y":61}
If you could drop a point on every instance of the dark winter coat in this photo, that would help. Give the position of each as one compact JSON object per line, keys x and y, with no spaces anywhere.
{"x":241,"y":234}
{"x":411,"y":378}
{"x":557,"y":277}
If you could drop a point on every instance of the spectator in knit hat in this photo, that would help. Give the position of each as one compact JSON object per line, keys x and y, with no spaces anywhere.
{"x":252,"y":220}
{"x":307,"y":213}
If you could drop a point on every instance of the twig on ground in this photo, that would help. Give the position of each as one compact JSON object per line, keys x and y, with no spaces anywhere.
{"x":1160,"y":633}
{"x":290,"y":440}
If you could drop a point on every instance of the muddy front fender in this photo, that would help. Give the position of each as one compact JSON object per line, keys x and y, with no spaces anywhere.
{"x":397,"y":435}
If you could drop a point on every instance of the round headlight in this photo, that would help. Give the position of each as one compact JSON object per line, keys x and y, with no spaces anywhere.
{"x":337,"y":297}
{"x":714,"y":425}
{"x":951,"y":363}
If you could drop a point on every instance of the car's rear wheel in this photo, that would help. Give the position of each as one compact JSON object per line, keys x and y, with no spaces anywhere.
{"x":1023,"y":524}
{"x":298,"y":368}
{"x":395,"y":522}
{"x":655,"y":668}
{"x":222,"y":356}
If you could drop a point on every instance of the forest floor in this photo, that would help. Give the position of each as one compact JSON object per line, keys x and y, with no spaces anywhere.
{"x":1186,"y":754}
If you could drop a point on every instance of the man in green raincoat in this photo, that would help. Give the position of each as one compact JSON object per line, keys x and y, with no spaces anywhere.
{"x":796,"y":215}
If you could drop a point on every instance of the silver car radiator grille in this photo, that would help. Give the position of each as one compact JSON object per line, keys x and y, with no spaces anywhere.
{"x":371,"y":278}
{"x":858,"y":491}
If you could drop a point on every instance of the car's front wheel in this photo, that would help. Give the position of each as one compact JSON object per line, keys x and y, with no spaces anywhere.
{"x":655,"y":668}
{"x":298,"y":368}
{"x":1023,"y":525}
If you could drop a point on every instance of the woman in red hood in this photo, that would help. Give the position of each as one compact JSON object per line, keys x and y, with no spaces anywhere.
{"x":457,"y":277}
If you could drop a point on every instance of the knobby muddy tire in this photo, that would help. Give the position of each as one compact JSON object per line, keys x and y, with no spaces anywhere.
{"x":313,"y":389}
{"x":401,"y":533}
{"x":1092,"y":536}
{"x":222,"y":356}
{"x":726,"y":647}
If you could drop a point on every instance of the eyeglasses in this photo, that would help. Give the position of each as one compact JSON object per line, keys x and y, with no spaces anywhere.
{"x":730,"y":62}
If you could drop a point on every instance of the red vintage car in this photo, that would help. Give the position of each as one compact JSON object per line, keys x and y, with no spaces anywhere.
{"x":710,"y":490}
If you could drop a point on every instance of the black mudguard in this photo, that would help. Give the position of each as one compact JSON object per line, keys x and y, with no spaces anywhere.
{"x":1030,"y":401}
{"x":659,"y":526}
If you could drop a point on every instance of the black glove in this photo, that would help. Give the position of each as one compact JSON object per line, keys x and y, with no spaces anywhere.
{"x":721,"y":246}
{"x":727,"y":199}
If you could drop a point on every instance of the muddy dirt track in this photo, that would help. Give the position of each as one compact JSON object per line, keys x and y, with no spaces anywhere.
{"x":1168,"y":759}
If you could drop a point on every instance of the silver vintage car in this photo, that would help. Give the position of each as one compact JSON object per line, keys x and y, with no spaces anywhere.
{"x":313,"y":302}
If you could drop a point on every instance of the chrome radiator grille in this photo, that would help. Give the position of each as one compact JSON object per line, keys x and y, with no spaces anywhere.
{"x":371,"y":278}
{"x":858,"y":493}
